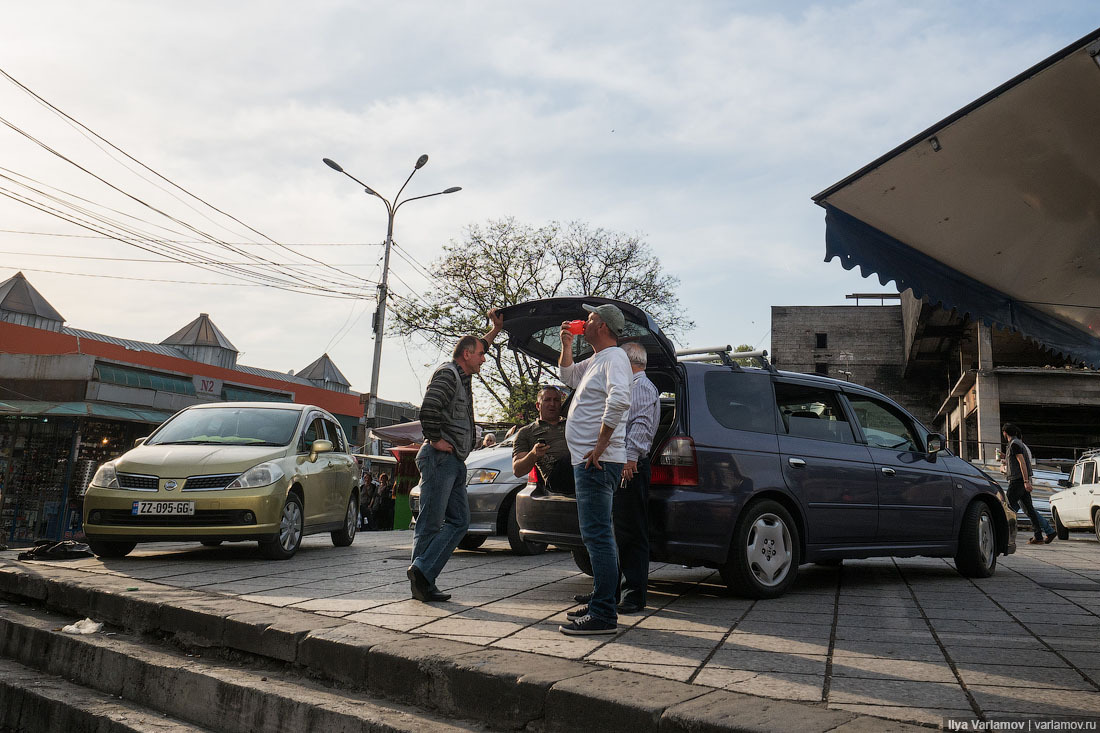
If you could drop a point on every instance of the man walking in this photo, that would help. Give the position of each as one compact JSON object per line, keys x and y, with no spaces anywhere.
{"x":595,"y":433}
{"x":1018,"y":466}
{"x":447,"y":419}
{"x":631,"y":506}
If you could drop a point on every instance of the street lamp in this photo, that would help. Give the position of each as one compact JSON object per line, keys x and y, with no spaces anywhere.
{"x":379,"y":320}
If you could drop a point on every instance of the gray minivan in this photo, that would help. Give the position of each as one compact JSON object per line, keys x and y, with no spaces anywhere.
{"x":756,"y":471}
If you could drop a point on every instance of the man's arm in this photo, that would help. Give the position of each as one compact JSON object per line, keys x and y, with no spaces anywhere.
{"x":1024,"y":470}
{"x":641,"y":424}
{"x":496,"y":324}
{"x":570,"y":372}
{"x":618,"y":401}
{"x":440,"y":392}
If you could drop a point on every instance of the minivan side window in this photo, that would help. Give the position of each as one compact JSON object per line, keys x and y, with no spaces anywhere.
{"x":740,"y":400}
{"x":812,"y":412}
{"x":883,"y":426}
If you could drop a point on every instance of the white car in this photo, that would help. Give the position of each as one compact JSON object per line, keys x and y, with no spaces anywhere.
{"x":1078,"y":505}
{"x":491,"y":488}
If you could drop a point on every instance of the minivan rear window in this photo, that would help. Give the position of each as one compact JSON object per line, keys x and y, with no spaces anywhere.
{"x":741,"y":400}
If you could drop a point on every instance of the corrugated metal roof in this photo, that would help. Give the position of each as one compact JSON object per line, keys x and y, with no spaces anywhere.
{"x":90,"y":409}
{"x":127,"y":343}
{"x":19,"y":296}
{"x":324,"y":370}
{"x":200,"y":332}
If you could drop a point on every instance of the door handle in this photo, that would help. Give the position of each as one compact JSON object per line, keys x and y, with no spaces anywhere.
{"x":796,"y":462}
{"x":888,"y":471}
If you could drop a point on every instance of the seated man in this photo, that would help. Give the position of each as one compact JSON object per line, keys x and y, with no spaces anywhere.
{"x":542,"y":444}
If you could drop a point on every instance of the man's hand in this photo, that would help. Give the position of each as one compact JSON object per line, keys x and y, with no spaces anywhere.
{"x":592,"y":458}
{"x":496,"y":320}
{"x":629,"y":469}
{"x":566,"y":337}
{"x":1027,"y":486}
{"x":540,"y":450}
{"x":443,"y":446}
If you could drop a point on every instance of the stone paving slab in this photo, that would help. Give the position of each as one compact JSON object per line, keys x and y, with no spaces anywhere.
{"x":903,"y":639}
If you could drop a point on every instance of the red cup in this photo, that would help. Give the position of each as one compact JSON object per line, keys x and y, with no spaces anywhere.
{"x":576,"y":327}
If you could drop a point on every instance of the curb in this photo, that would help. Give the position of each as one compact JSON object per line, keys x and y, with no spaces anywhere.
{"x":502,"y":688}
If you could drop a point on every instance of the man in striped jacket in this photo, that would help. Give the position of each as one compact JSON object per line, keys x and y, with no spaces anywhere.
{"x":447,"y":419}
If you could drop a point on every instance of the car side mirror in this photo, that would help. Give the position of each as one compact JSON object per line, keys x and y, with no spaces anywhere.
{"x":140,"y":441}
{"x":1065,"y":483}
{"x":319,"y":446}
{"x":935,"y":442}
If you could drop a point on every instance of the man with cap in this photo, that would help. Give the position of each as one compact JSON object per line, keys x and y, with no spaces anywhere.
{"x":596,"y":435}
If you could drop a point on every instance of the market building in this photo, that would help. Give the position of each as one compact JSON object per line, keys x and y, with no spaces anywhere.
{"x":72,"y":399}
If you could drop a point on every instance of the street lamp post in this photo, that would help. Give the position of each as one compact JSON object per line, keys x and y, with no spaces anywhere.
{"x":379,"y":320}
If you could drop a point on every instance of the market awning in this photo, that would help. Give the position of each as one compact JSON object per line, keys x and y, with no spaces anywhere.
{"x":401,"y":433}
{"x":5,"y":407}
{"x":995,"y":210}
{"x":89,"y":409}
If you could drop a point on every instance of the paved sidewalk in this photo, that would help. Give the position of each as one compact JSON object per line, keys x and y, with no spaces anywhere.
{"x":906,"y":639}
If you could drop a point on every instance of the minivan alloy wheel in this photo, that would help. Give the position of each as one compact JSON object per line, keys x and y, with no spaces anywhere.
{"x":768,"y":549}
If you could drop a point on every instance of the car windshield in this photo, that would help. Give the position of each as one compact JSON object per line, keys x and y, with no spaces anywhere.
{"x":229,"y":426}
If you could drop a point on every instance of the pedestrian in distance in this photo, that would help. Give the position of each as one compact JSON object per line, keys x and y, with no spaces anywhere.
{"x":1018,"y":465}
{"x":384,"y":503}
{"x":489,"y":441}
{"x":447,"y":419}
{"x":631,"y":505}
{"x":596,"y":434}
{"x":366,"y":496}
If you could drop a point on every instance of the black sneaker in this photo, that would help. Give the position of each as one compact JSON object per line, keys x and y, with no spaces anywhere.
{"x":578,"y":612}
{"x":588,"y":626}
{"x":582,"y":597}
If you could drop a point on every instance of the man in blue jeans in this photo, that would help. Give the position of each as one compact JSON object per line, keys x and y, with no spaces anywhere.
{"x":596,"y":434}
{"x":447,"y":419}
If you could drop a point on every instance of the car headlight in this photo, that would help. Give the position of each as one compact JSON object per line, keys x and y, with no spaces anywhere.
{"x":262,"y":475}
{"x":105,"y":477}
{"x":481,"y":476}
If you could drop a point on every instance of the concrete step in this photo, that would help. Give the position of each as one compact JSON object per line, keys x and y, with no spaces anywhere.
{"x":140,"y":678}
{"x":33,"y":701}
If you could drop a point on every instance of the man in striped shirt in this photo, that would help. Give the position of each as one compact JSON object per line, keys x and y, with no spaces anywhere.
{"x":630,"y":509}
{"x":447,"y":419}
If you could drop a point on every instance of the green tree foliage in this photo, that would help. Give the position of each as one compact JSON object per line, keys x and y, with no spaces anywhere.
{"x":744,"y":362}
{"x":503,"y":262}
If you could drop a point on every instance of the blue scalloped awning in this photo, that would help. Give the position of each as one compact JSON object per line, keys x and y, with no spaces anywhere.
{"x":857,"y":244}
{"x":995,"y":210}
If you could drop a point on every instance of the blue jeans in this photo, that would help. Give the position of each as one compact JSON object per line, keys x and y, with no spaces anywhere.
{"x":444,"y":511}
{"x":595,"y":494}
{"x":1019,"y":496}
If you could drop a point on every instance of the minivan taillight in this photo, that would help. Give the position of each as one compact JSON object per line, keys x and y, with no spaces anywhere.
{"x":676,"y":464}
{"x":533,"y":477}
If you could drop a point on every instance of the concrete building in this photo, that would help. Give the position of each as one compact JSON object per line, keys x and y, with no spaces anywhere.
{"x":958,"y":377}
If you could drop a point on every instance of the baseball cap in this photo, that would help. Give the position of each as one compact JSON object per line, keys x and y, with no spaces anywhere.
{"x":609,"y":314}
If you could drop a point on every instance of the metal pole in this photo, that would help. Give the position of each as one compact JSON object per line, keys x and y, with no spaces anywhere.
{"x":378,"y":327}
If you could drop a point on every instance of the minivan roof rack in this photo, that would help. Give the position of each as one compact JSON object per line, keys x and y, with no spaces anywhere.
{"x":1090,"y":453}
{"x":725,"y":355}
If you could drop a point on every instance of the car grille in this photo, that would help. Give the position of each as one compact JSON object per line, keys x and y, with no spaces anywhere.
{"x":209,"y":483}
{"x":201,"y":518}
{"x":137,"y":482}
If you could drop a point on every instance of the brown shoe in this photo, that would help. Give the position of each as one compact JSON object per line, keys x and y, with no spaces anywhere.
{"x":1036,"y":541}
{"x":1049,"y":539}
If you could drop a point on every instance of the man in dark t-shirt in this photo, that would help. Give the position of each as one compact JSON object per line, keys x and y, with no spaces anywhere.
{"x":1018,"y":468}
{"x":542,"y":444}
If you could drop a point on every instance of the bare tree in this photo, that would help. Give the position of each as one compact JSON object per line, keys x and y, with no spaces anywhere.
{"x":504,"y":262}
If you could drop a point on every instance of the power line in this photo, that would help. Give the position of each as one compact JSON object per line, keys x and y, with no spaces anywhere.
{"x":151,"y":280}
{"x":196,"y":241}
{"x":163,"y":261}
{"x":82,"y":126}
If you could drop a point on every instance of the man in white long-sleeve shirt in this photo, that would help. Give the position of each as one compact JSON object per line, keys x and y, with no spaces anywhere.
{"x":596,"y":434}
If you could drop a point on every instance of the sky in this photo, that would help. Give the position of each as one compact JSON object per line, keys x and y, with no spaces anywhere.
{"x":704,"y":127}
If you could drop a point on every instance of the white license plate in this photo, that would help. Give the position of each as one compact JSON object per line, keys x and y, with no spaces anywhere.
{"x":163,"y":507}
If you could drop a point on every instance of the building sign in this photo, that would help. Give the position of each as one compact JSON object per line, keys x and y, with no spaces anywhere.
{"x":207,"y":386}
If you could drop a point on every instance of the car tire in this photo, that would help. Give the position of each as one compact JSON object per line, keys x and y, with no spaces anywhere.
{"x":518,"y":544}
{"x":210,"y":543}
{"x":582,"y":560}
{"x":289,"y":536}
{"x":1096,"y":523}
{"x":976,"y":556}
{"x":765,"y":553}
{"x":1059,"y":529}
{"x":472,"y":541}
{"x":111,"y":549}
{"x":344,"y":536}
